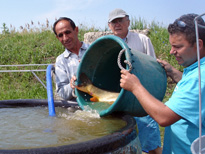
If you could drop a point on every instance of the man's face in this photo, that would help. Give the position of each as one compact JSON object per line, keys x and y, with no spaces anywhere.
{"x":119,"y":27}
{"x":184,"y":52}
{"x":66,"y":35}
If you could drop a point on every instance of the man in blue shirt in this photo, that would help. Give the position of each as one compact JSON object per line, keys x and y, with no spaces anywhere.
{"x":67,"y":63}
{"x":180,"y":114}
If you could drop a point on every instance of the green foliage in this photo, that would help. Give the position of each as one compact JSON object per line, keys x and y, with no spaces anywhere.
{"x":138,"y":24}
{"x":29,"y":48}
{"x":5,"y":29}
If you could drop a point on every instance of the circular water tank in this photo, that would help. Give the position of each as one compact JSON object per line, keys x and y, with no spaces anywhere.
{"x":123,"y":140}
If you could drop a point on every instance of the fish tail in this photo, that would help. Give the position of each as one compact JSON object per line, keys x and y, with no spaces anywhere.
{"x":94,"y":99}
{"x":111,"y":102}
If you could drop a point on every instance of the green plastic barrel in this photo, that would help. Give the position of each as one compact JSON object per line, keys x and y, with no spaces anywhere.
{"x":100,"y":65}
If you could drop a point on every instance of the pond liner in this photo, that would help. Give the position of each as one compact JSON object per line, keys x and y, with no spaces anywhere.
{"x":105,"y":144}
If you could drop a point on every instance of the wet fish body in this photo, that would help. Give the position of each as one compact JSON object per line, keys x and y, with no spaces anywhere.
{"x":98,"y":95}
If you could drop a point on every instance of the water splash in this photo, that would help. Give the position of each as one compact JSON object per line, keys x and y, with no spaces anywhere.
{"x":88,"y":114}
{"x":91,"y":112}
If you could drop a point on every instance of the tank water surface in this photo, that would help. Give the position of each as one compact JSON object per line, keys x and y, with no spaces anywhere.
{"x":32,"y":127}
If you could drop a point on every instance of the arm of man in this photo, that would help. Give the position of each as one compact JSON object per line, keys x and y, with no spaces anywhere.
{"x":172,"y":72}
{"x":63,"y":87}
{"x":148,"y":47}
{"x":155,"y":108}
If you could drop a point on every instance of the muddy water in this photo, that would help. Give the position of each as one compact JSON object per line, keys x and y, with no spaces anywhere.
{"x":31,"y":127}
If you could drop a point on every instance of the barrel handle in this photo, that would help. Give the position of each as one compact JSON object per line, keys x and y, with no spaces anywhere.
{"x":125,"y":61}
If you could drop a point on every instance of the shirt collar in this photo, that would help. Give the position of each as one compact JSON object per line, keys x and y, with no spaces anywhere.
{"x":194,"y":65}
{"x":84,"y":46}
{"x":67,"y":53}
{"x":126,"y":38}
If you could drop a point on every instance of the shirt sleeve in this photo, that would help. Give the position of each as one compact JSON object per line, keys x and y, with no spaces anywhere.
{"x":149,"y":47}
{"x":62,"y":81}
{"x":185,"y":100}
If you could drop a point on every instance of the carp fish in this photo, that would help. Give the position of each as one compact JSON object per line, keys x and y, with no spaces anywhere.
{"x":98,"y":95}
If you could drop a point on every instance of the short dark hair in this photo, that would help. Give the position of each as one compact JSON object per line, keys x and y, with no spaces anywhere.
{"x":63,"y":18}
{"x":188,"y":28}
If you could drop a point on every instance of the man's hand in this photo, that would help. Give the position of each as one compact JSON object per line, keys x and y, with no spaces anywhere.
{"x":167,"y":66}
{"x":172,"y":72}
{"x":128,"y":81}
{"x":72,"y":82}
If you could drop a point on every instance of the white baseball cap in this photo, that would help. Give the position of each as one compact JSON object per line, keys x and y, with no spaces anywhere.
{"x":117,"y":13}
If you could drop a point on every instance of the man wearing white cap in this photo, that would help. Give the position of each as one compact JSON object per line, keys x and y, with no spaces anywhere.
{"x":119,"y":22}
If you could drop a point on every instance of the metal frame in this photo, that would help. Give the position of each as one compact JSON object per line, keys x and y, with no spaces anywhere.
{"x":30,"y":70}
{"x":199,"y":75}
